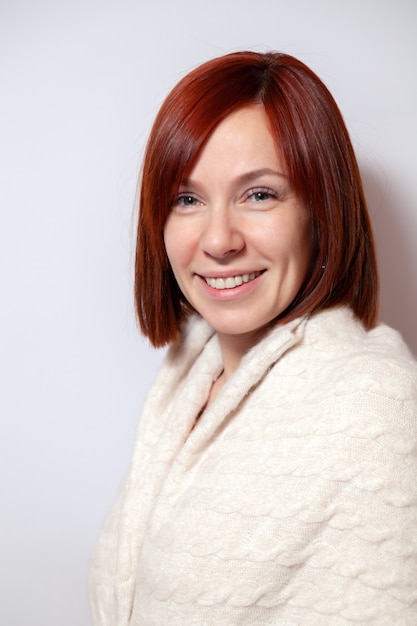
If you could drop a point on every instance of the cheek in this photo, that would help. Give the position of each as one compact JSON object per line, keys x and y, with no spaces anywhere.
{"x":291,"y":240}
{"x":177,"y":245}
{"x":171,"y":241}
{"x":295,"y":243}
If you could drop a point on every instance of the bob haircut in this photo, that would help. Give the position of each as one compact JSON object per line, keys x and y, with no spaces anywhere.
{"x":313,"y":142}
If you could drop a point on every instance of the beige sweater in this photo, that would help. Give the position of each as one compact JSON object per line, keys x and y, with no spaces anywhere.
{"x":292,"y":502}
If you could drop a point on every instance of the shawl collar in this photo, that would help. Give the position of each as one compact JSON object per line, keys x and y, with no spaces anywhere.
{"x":162,"y":454}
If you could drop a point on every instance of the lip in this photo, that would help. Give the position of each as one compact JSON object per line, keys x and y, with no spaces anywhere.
{"x":228,"y":273}
{"x":229,"y":294}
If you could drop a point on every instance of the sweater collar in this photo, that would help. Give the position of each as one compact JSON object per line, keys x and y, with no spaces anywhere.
{"x":200,"y":340}
{"x":276,"y":341}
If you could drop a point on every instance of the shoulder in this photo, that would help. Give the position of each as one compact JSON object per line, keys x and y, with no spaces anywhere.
{"x":365,"y":380}
{"x":377,"y":357}
{"x":339,"y":326}
{"x":341,"y":377}
{"x":192,"y":359}
{"x":179,"y":358}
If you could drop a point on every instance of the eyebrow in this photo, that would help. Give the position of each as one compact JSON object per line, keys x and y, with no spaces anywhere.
{"x":248,"y":177}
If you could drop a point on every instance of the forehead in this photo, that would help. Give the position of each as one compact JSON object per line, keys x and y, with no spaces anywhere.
{"x":240,"y":143}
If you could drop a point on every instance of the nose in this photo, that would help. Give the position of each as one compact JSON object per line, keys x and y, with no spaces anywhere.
{"x":222,"y":236}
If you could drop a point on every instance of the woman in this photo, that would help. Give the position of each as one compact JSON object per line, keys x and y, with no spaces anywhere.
{"x":274,"y":476}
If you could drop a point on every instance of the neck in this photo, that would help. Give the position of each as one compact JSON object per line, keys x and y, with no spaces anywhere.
{"x":233,"y":348}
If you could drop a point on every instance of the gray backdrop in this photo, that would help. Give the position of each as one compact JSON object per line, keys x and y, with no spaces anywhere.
{"x":81,"y":82}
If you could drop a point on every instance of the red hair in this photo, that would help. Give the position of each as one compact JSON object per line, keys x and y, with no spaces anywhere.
{"x":312,"y":140}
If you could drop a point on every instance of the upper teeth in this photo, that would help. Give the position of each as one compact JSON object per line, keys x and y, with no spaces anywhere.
{"x":231,"y":281}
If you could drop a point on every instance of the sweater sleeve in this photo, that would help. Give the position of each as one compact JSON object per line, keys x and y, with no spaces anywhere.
{"x":358,"y":476}
{"x":366,"y":549}
{"x":355,"y":466}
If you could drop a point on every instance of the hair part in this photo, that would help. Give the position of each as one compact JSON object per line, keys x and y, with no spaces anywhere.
{"x":311,"y":139}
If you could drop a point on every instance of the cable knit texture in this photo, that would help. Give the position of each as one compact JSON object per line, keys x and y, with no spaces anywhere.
{"x":293,"y":501}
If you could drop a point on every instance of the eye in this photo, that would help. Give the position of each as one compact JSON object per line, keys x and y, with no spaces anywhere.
{"x":260,"y":195}
{"x":185,"y":203}
{"x":186,"y":200}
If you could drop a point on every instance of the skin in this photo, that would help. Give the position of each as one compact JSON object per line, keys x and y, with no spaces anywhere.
{"x":236,"y":215}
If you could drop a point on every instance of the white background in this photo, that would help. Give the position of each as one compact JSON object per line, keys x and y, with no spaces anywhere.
{"x":80,"y":84}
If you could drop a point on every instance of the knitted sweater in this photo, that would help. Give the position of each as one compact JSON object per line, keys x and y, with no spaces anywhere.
{"x":293,"y":501}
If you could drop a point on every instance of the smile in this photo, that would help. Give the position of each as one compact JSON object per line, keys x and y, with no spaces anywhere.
{"x":231,"y":281}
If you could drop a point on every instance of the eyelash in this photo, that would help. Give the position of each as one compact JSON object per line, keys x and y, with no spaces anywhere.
{"x":258,"y":191}
{"x":261,"y":191}
{"x":186,"y":196}
{"x":189,"y":200}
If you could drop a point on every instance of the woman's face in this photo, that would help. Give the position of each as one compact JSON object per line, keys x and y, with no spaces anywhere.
{"x":238,"y":239}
